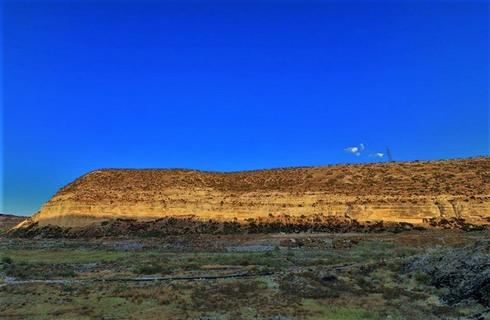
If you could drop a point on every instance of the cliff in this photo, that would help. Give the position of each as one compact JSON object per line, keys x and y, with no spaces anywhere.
{"x":397,"y":192}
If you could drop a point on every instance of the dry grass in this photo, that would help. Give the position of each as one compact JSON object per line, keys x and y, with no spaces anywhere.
{"x":455,"y":177}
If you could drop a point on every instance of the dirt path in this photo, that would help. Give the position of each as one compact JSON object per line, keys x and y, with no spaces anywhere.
{"x":337,"y":267}
{"x":13,"y":281}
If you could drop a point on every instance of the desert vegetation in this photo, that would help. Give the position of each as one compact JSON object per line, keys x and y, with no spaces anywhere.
{"x":410,"y":275}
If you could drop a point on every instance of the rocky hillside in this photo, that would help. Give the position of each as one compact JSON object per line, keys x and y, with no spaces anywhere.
{"x":411,"y":192}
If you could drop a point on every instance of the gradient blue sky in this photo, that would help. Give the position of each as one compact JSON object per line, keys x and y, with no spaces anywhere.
{"x":235,"y":85}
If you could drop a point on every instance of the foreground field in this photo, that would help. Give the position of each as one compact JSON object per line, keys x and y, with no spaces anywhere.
{"x":437,"y":274}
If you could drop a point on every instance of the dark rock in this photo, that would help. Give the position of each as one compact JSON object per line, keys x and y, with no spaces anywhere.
{"x":464,"y":271}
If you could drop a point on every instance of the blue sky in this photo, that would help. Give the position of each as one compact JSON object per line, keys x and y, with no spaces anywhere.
{"x":235,"y":85}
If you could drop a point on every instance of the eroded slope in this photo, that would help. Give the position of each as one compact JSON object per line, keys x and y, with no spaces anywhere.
{"x":409,"y":192}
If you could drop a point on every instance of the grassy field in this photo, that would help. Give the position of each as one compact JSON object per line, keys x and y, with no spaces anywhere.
{"x":275,"y":276}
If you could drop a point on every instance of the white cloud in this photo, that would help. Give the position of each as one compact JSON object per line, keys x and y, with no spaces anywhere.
{"x":377,"y":155}
{"x":355,"y":150}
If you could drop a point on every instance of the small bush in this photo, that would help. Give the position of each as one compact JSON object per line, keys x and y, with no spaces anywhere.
{"x":422,"y":277}
{"x":153,"y":269}
{"x":7,"y":260}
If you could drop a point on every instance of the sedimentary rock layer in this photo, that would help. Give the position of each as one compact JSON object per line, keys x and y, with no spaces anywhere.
{"x":396,"y":192}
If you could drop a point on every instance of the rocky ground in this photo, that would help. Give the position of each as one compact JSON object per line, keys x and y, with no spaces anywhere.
{"x":421,"y":274}
{"x":274,"y":224}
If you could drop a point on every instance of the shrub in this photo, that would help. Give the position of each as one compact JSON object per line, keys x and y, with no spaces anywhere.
{"x":7,"y":260}
{"x":153,"y":269}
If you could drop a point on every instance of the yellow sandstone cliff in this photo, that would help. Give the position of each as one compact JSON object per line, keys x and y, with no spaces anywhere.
{"x":408,"y":192}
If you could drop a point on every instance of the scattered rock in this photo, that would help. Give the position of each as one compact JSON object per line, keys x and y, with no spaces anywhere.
{"x":464,"y":271}
{"x":454,"y":223}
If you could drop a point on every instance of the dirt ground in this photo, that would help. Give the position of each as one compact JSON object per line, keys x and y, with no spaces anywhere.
{"x":432,"y":274}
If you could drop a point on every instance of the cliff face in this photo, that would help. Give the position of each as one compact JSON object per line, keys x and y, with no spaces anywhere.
{"x":408,"y":192}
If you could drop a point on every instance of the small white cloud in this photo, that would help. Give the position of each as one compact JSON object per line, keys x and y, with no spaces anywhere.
{"x":355,"y":150}
{"x":377,"y":155}
{"x":352,"y":149}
